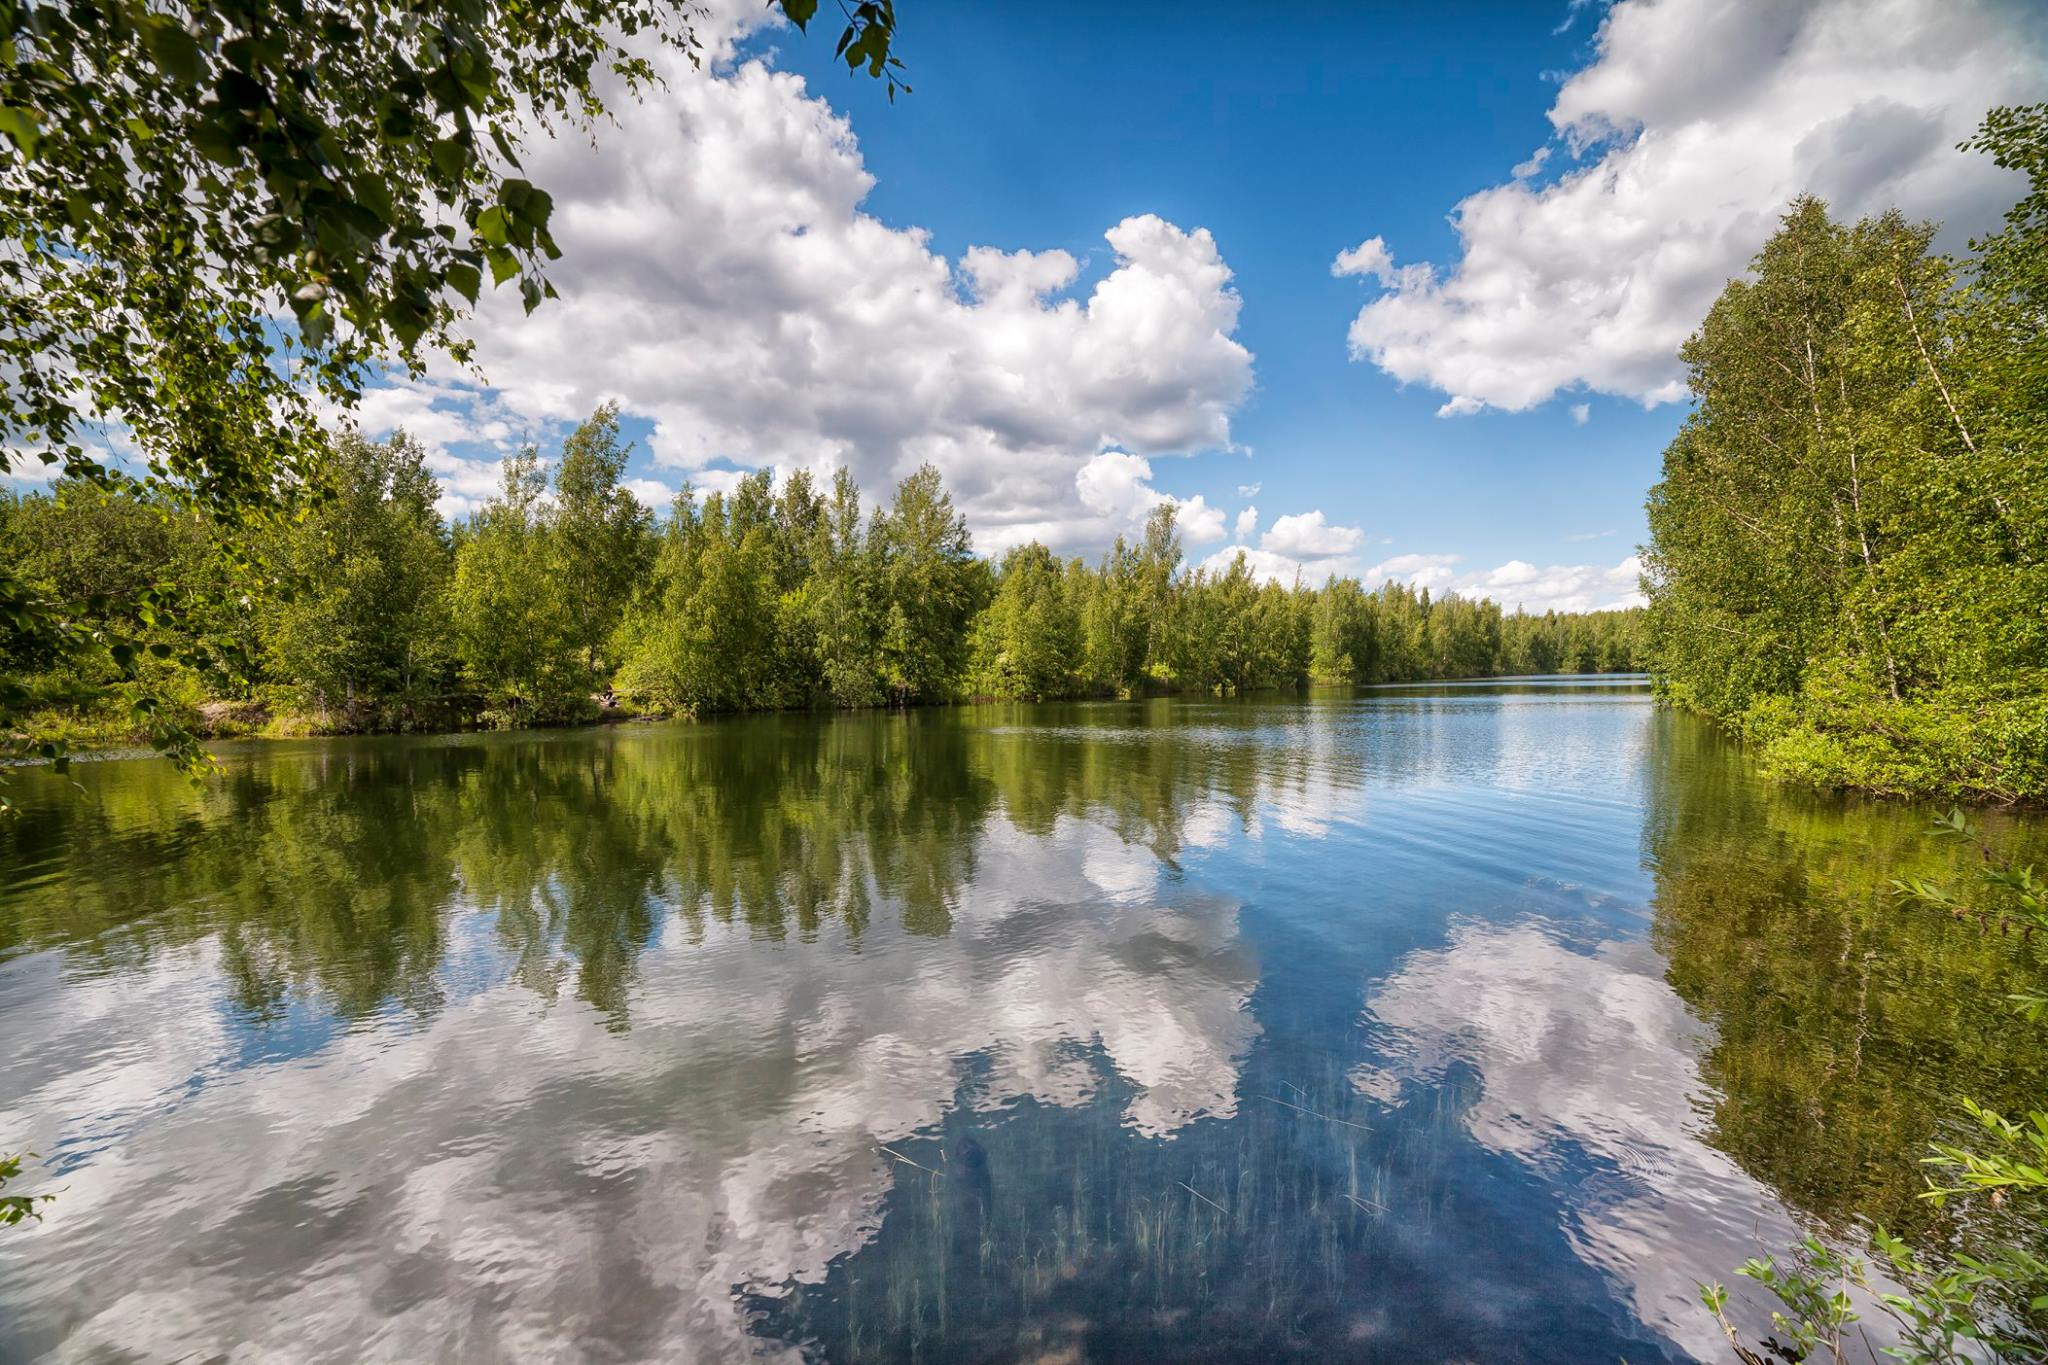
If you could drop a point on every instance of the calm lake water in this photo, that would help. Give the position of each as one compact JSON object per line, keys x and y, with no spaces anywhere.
{"x":1466,"y":1023}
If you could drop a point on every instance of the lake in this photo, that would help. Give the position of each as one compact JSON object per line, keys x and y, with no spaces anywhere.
{"x":1453,"y":1023}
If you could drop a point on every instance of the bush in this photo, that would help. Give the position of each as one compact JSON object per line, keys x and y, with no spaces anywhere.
{"x":1840,"y":731}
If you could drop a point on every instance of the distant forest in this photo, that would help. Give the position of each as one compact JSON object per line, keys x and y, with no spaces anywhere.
{"x":368,"y":612}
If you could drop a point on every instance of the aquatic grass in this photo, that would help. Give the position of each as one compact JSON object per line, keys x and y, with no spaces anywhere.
{"x":1258,"y":1227}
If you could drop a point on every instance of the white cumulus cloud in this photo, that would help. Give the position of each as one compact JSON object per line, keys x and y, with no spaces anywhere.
{"x":1116,"y":495}
{"x":721,"y":281}
{"x":1693,"y":127}
{"x":1302,"y":546}
{"x":1518,"y":583}
{"x":1308,"y":535}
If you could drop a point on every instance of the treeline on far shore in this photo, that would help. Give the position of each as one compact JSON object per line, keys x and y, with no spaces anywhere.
{"x":368,"y":612}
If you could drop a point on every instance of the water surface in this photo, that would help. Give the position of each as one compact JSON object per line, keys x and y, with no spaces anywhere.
{"x":1410,"y":1024}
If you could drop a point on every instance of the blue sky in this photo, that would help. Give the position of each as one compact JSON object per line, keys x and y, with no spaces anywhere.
{"x":1386,"y":290}
{"x":1291,"y":137}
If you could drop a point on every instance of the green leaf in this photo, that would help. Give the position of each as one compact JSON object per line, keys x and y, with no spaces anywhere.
{"x":492,"y":227}
{"x":315,"y":326}
{"x":175,"y":51}
{"x":22,"y":128}
{"x":504,"y":265}
{"x":800,"y":12}
{"x":465,"y":280}
{"x":503,"y":144}
{"x":535,"y":206}
{"x":451,"y":157}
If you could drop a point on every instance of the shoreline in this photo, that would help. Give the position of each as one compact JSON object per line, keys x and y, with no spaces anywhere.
{"x":247,"y":720}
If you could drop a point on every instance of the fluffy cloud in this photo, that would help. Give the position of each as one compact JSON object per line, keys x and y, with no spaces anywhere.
{"x":721,"y":281}
{"x":1306,"y":535}
{"x":1518,"y":583}
{"x":1304,"y":546}
{"x":651,"y":493}
{"x":1694,"y":125}
{"x":1116,"y":495}
{"x":1416,"y":570}
{"x":22,"y":468}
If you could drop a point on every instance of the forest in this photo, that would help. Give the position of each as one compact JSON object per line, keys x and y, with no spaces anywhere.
{"x":1849,"y":547}
{"x":564,"y":594}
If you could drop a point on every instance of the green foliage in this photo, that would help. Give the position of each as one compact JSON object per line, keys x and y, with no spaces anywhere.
{"x":604,"y":536}
{"x":1396,"y":634}
{"x":839,"y":602}
{"x":98,"y":644}
{"x":764,"y":601}
{"x":1938,"y":1320}
{"x":1028,"y":641}
{"x":1813,"y":1285}
{"x":516,"y":627}
{"x":1841,"y":731}
{"x":363,"y":615}
{"x":865,"y":42}
{"x":1850,"y":540}
{"x":371,"y":615}
{"x":175,"y":177}
{"x":2018,"y":1160}
{"x":1138,"y":622}
{"x":708,"y":635}
{"x":931,"y":587}
{"x":15,"y":1208}
{"x":2009,"y":895}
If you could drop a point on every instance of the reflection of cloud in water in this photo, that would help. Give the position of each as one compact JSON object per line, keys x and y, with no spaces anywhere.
{"x":508,"y":1179}
{"x":1588,"y":1074}
{"x":1207,"y":824}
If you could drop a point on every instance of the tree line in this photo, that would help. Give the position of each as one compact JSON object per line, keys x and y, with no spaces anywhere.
{"x":177,"y":178}
{"x":370,"y":612}
{"x":1849,"y":545}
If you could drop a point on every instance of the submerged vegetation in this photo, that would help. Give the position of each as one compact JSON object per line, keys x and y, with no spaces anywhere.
{"x":1849,"y":547}
{"x":375,"y":615}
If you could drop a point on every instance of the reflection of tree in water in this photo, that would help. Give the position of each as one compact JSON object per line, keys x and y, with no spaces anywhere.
{"x":1846,"y":1023}
{"x":1142,"y":770}
{"x":319,"y":871}
{"x":773,"y":821}
{"x":332,"y":868}
{"x":538,"y":840}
